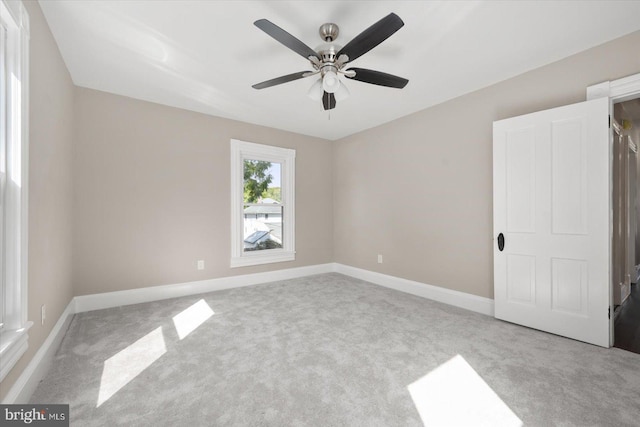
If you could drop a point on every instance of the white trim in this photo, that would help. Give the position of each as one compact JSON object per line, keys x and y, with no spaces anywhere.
{"x":627,"y":87}
{"x":19,"y":14}
{"x":257,"y":258}
{"x":15,"y":333}
{"x":24,"y":121}
{"x":456,"y":298}
{"x":241,"y":150}
{"x":618,"y":90}
{"x":13,"y":345}
{"x":155,"y":293}
{"x":37,"y":368}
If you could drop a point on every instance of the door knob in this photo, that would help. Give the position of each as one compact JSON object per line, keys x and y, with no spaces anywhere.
{"x":500,"y":242}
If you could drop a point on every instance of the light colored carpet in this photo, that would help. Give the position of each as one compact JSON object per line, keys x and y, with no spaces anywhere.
{"x":329,"y":350}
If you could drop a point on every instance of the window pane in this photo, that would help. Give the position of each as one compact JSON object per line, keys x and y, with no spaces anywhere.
{"x":262,"y":182}
{"x":3,"y":161}
{"x":262,"y":227}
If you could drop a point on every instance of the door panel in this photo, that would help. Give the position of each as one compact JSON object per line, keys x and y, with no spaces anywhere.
{"x":569,"y":286}
{"x":551,"y":202}
{"x":568,"y":177}
{"x":521,"y":278}
{"x":521,"y":181}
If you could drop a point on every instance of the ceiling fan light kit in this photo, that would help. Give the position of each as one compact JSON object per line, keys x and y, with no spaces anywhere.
{"x":342,"y":93}
{"x":316,"y":91}
{"x":329,"y":59}
{"x":330,"y":82}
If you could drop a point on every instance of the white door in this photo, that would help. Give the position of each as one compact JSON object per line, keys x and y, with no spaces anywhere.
{"x":551,"y":204}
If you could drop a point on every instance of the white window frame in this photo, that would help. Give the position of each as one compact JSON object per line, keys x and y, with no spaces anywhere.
{"x":241,"y":151}
{"x":14,"y":110}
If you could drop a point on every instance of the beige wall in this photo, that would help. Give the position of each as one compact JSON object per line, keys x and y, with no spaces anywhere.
{"x":150,"y":190}
{"x":419,"y":189}
{"x":50,"y":186}
{"x":152,"y":194}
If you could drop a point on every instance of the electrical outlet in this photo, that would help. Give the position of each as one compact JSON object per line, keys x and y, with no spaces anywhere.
{"x":201,"y":264}
{"x":43,"y":313}
{"x":379,"y":259}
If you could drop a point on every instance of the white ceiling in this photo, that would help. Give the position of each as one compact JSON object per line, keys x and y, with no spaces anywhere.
{"x":205,"y":55}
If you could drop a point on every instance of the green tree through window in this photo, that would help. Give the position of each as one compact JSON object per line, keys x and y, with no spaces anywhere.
{"x":272,"y":193}
{"x":256,"y":179}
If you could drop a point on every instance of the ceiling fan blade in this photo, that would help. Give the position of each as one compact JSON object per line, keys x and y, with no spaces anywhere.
{"x":378,"y":78}
{"x":285,"y":38}
{"x":328,"y":101}
{"x":372,"y":37}
{"x":281,"y":79}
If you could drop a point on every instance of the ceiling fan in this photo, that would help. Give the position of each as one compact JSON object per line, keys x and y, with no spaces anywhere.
{"x":329,"y":59}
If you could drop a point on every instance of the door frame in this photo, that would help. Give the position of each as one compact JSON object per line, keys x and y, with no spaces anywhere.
{"x":618,"y":90}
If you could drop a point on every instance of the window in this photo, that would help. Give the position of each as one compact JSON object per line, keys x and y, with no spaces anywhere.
{"x":262,"y":204}
{"x":13,"y":183}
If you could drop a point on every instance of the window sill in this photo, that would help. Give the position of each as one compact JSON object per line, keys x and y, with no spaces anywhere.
{"x":259,"y":258}
{"x":13,"y":344}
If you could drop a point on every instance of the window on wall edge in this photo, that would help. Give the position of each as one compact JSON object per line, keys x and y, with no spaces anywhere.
{"x":14,"y":79}
{"x":262,"y":204}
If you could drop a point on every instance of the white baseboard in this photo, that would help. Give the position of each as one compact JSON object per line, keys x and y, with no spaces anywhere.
{"x":436,"y":293}
{"x":27,"y":382}
{"x":155,"y":293}
{"x":36,"y":369}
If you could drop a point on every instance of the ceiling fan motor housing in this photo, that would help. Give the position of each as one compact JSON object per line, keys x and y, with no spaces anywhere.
{"x":328,"y":51}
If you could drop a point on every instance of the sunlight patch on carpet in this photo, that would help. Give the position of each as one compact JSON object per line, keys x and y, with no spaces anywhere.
{"x":454,"y":394}
{"x":190,"y":318}
{"x":127,"y":364}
